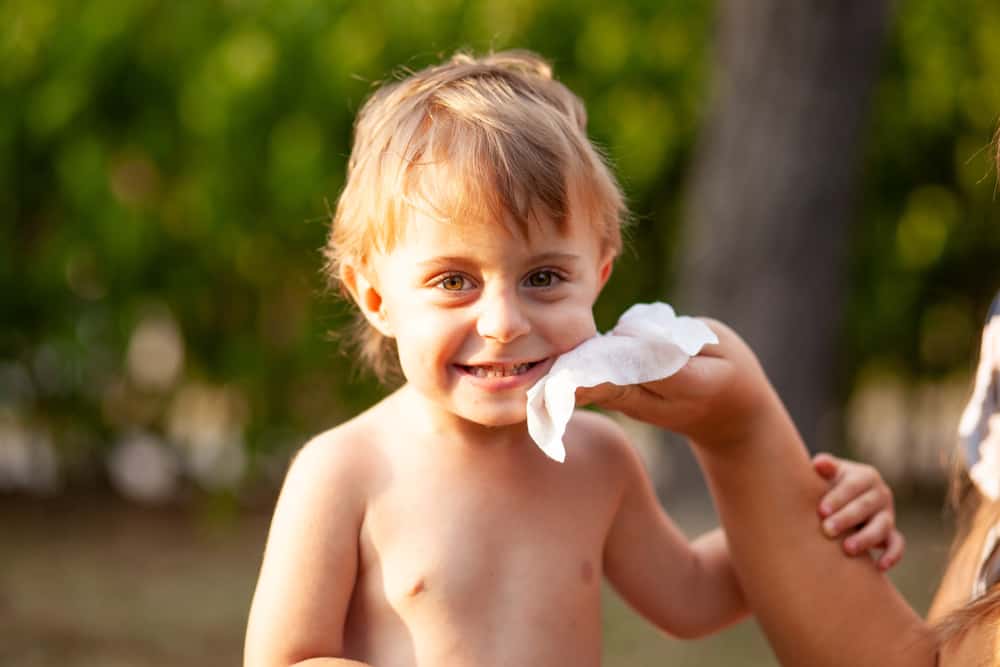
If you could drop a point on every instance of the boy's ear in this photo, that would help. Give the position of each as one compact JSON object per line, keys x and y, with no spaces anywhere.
{"x":604,"y":270}
{"x":366,"y":294}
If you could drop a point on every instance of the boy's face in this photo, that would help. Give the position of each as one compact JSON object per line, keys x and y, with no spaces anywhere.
{"x":479,"y":314}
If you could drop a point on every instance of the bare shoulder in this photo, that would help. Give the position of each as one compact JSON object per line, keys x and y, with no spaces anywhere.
{"x":338,"y":461}
{"x":344,"y":446}
{"x":589,"y":424}
{"x":601,"y":441}
{"x":311,"y":559}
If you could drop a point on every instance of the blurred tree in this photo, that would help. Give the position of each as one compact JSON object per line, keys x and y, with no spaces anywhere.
{"x":775,"y":182}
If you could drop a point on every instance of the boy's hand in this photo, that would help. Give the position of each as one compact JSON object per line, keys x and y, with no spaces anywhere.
{"x":860,"y":502}
{"x":719,"y":397}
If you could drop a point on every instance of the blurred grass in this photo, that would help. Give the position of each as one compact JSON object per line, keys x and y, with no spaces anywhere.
{"x":96,"y":582}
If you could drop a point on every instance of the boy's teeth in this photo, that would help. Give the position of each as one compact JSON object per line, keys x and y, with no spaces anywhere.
{"x":498,"y":371}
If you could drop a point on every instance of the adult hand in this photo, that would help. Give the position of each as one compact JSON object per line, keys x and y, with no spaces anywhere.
{"x":717,"y":398}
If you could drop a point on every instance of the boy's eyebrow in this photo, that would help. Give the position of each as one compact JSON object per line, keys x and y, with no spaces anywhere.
{"x":536,"y":259}
{"x":555,"y":257}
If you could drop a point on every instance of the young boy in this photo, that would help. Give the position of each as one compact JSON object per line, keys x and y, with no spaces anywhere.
{"x":476,"y":229}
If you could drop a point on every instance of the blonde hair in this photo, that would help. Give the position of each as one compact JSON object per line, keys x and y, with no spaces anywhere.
{"x":491,"y":139}
{"x":976,"y":515}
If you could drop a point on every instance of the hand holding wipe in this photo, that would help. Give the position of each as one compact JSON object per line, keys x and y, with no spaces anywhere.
{"x":649,"y":342}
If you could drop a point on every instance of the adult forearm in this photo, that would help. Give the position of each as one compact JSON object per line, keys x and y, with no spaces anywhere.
{"x":816,"y":606}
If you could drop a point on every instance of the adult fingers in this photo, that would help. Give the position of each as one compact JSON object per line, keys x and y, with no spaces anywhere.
{"x":600,"y":394}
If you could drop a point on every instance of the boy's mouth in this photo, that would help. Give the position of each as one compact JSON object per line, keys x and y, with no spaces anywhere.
{"x":498,"y":370}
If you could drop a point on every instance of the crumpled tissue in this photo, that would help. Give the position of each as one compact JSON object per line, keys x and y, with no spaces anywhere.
{"x":649,"y":342}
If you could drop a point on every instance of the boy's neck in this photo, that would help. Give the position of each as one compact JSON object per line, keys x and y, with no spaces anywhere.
{"x":427,"y":418}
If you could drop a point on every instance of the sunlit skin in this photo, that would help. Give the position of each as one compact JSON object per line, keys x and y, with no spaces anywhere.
{"x":816,"y":607}
{"x":464,"y":301}
{"x":430,"y":530}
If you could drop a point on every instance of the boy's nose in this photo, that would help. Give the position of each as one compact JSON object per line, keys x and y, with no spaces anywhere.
{"x":501,"y":318}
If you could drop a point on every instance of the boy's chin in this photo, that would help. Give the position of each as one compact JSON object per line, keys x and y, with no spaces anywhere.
{"x":498,"y":418}
{"x":507,"y":423}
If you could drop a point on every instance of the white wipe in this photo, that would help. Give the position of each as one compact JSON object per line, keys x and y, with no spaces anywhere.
{"x":649,"y":343}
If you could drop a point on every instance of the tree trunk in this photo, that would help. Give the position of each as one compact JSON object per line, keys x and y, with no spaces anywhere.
{"x":774,"y":187}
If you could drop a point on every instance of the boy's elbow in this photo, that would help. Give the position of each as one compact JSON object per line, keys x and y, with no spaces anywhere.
{"x":698,"y":624}
{"x":699,"y":628}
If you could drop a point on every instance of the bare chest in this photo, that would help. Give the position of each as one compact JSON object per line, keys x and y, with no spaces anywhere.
{"x":475,"y":569}
{"x":456,"y":541}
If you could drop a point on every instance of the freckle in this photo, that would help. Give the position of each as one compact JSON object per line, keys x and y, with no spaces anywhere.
{"x":417,"y":588}
{"x":587,"y":572}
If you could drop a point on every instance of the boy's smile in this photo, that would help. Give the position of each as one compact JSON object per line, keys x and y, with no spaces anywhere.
{"x":503,"y":376}
{"x":479,"y":313}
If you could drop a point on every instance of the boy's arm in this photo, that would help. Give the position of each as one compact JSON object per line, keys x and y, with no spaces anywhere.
{"x":686,"y":589}
{"x":816,"y":607}
{"x":310,"y":563}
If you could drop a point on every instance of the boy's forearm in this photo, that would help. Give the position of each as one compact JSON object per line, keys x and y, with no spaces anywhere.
{"x":717,"y":590}
{"x":816,"y":606}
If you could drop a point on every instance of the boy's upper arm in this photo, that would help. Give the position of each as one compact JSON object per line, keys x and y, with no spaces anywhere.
{"x":647,"y":558}
{"x":311,"y":559}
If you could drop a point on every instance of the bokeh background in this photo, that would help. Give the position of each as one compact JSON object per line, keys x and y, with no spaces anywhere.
{"x":820,"y":176}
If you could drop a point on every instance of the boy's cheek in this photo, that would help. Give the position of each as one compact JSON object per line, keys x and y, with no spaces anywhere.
{"x":571,"y":331}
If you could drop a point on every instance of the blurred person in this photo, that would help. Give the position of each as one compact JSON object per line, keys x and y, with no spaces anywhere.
{"x":966,"y":608}
{"x":476,"y":229}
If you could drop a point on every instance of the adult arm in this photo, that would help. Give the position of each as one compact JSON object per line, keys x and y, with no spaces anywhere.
{"x":816,"y":607}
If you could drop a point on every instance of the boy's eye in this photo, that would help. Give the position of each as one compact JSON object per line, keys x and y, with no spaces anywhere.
{"x":452,"y":283}
{"x":545,"y":278}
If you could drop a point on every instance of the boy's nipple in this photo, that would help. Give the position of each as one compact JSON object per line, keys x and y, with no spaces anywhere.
{"x":417,"y":588}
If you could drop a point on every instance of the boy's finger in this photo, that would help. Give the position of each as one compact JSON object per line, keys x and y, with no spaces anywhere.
{"x":825,"y":465}
{"x":844,"y":491}
{"x":875,"y":532}
{"x":893,"y":551}
{"x":857,"y":511}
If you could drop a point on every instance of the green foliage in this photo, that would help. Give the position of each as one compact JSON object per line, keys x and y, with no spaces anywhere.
{"x":180,"y":159}
{"x":177,"y":160}
{"x":926,"y":254}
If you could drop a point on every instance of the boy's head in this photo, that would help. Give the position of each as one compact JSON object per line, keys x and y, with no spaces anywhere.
{"x":473,"y":141}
